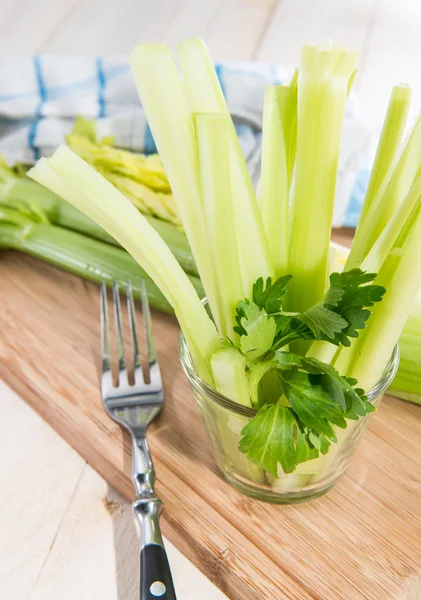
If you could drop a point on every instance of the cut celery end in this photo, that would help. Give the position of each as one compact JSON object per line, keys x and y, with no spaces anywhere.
{"x":275,"y":182}
{"x":217,"y":198}
{"x":162,"y":95}
{"x":321,"y":109}
{"x":288,"y":483}
{"x":390,"y":139}
{"x":204,"y":95}
{"x":69,"y":176}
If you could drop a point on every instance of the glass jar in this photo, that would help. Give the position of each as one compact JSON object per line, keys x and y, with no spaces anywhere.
{"x":225,"y":419}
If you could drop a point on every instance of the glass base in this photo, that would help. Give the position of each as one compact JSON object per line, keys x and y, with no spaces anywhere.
{"x":276,"y":497}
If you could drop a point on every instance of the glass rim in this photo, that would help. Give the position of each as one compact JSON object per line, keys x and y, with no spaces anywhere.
{"x":201,"y":386}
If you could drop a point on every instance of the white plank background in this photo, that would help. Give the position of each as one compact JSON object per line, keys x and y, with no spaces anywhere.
{"x":64,"y":533}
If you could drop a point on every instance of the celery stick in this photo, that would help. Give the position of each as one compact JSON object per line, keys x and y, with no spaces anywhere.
{"x":229,"y":374}
{"x":228,"y":370}
{"x":390,"y":195}
{"x":68,"y":175}
{"x":204,"y":95}
{"x":407,"y":383}
{"x":351,"y":80}
{"x":161,"y":93}
{"x":322,"y":95}
{"x":387,"y":239}
{"x":390,"y":139}
{"x":217,"y":198}
{"x":275,"y":178}
{"x":400,"y":274}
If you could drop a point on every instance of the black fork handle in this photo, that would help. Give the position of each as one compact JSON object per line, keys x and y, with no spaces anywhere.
{"x":155,"y":575}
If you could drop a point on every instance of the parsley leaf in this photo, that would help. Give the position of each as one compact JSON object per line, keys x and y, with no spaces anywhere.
{"x":260,"y":331}
{"x":341,"y":312}
{"x":268,"y":439}
{"x":269,"y":296}
{"x":315,"y":408}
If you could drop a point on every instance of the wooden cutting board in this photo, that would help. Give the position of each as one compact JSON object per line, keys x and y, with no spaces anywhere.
{"x":360,"y":541}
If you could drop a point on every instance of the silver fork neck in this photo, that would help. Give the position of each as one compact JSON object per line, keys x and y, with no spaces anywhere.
{"x":147,"y":507}
{"x":143,"y":470}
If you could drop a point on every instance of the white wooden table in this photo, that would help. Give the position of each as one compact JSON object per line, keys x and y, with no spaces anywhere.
{"x":63,"y":533}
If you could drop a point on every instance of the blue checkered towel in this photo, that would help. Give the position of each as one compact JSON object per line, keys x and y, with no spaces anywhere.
{"x":41,"y":96}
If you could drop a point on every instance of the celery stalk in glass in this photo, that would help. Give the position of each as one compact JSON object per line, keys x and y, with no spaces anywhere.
{"x":393,"y":229}
{"x":276,"y":174}
{"x":229,"y":373}
{"x":162,"y":95}
{"x":204,"y":95}
{"x":390,"y":195}
{"x":217,"y":198}
{"x":322,"y":95}
{"x":400,"y":274}
{"x":390,"y":140}
{"x":71,"y":177}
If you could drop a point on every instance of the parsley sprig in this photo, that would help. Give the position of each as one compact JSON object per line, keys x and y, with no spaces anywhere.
{"x":300,"y":399}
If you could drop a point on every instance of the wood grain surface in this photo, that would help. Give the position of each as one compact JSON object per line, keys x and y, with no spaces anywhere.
{"x":360,"y":541}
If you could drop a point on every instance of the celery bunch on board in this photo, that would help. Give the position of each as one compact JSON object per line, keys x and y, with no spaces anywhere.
{"x":269,"y":299}
{"x":17,"y":191}
{"x":31,"y":232}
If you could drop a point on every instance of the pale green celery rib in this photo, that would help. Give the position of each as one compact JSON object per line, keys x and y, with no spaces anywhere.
{"x":204,"y":95}
{"x":391,"y":193}
{"x":69,"y":176}
{"x":21,"y":191}
{"x":407,"y":383}
{"x":275,"y":181}
{"x":217,"y":197}
{"x":162,"y":95}
{"x":390,"y":140}
{"x":393,"y":230}
{"x":351,"y":80}
{"x":322,"y":93}
{"x":400,"y":274}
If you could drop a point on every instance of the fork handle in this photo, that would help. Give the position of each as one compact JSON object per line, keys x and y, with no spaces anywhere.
{"x":155,"y":575}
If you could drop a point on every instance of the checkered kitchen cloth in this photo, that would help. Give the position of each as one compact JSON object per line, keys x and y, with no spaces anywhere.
{"x":40,"y":97}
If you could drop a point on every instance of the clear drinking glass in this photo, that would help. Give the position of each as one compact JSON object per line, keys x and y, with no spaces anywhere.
{"x":224,"y":420}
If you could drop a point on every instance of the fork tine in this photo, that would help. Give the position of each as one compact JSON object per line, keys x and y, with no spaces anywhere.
{"x":137,"y":366}
{"x":147,"y":321}
{"x":119,"y":328}
{"x":105,"y":332}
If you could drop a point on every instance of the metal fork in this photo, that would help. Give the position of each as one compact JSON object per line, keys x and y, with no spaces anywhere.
{"x":134,"y":406}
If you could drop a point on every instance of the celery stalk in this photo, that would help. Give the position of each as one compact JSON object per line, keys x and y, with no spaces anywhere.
{"x":392,"y":231}
{"x":161,"y":92}
{"x":204,"y":95}
{"x":390,"y":195}
{"x":322,"y":95}
{"x":407,"y":383}
{"x":390,"y":139}
{"x":228,"y":370}
{"x":276,"y":172}
{"x":217,"y":198}
{"x":91,"y":259}
{"x":68,"y":175}
{"x":229,"y":374}
{"x":400,"y":274}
